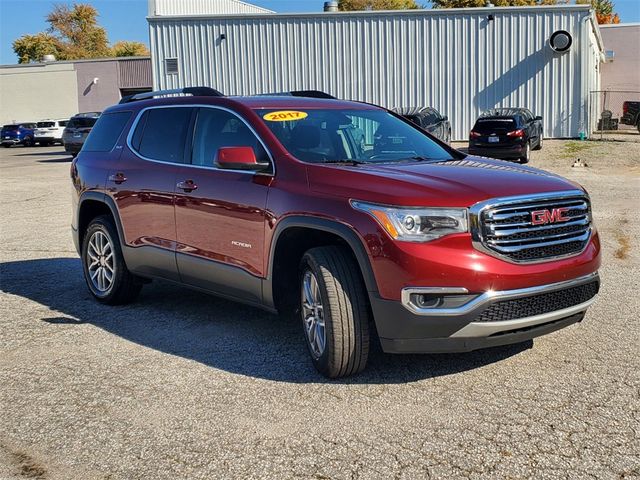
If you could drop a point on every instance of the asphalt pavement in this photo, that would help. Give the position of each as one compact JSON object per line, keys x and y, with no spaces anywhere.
{"x":184,"y":385}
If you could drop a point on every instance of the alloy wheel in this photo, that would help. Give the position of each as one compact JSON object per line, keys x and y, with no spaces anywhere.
{"x":100,"y":262}
{"x":313,"y":314}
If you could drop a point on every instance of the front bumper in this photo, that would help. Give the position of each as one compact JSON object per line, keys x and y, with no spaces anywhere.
{"x":485,"y":320}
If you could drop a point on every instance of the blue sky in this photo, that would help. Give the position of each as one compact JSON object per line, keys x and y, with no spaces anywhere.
{"x":125,"y":19}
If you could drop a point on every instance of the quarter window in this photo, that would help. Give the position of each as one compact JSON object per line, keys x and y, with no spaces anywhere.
{"x":161,"y":133}
{"x":217,"y":128}
{"x":105,"y":133}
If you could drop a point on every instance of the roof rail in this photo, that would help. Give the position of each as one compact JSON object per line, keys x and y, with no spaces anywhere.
{"x":301,"y":93}
{"x":195,"y":91}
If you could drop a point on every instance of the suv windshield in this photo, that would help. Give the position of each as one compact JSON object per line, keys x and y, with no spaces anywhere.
{"x":332,"y":135}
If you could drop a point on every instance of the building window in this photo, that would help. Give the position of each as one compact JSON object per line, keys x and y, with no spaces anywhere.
{"x":171,"y":66}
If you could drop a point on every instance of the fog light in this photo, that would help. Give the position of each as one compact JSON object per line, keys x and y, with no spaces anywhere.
{"x":429,"y":301}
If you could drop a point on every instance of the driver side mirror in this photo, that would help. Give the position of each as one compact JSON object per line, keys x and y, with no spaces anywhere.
{"x":239,"y":158}
{"x":538,"y":118}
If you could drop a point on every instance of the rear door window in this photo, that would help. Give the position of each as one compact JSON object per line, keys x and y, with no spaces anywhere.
{"x":161,"y":132}
{"x":105,"y":133}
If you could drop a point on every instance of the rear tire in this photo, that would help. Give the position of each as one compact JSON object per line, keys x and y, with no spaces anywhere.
{"x":105,"y":272}
{"x":337,"y":309}
{"x":527,"y":153}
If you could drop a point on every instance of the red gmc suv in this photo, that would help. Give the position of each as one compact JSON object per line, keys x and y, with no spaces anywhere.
{"x":342,"y":212}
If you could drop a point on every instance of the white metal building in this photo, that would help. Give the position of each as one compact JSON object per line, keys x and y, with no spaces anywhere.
{"x":460,"y":61}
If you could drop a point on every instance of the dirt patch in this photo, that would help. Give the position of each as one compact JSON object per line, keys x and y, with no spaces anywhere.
{"x":25,"y":465}
{"x":624,"y":242}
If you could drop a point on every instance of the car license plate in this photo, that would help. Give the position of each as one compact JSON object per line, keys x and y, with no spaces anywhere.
{"x":494,"y":139}
{"x":77,"y":135}
{"x":7,"y":138}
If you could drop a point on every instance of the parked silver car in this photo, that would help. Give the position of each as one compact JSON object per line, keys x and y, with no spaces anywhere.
{"x":77,"y":131}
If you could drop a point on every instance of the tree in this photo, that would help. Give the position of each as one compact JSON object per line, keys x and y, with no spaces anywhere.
{"x":497,"y":3}
{"x":129,"y":49}
{"x":73,"y":33}
{"x":350,"y":5}
{"x":604,"y":10}
{"x":31,"y":48}
{"x":78,"y":30}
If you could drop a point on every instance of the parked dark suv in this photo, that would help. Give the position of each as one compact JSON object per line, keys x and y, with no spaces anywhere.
{"x":77,"y":130}
{"x":18,"y":134}
{"x":506,"y":133}
{"x":341,"y":212}
{"x":429,"y":119}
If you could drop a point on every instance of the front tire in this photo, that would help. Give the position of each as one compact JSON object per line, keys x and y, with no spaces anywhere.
{"x":334,"y":311}
{"x":105,"y":272}
{"x":540,"y":140}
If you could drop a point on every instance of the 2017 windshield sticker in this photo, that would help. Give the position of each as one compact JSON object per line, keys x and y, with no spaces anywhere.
{"x":285,"y":116}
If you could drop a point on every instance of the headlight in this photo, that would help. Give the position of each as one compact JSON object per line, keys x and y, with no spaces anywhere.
{"x":416,"y":224}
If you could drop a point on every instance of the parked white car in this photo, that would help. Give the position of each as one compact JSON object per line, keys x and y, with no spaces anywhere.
{"x":50,"y":131}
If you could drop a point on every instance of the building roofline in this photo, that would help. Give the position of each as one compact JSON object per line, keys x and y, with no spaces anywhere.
{"x":618,"y":25}
{"x":420,"y":11}
{"x":68,"y":62}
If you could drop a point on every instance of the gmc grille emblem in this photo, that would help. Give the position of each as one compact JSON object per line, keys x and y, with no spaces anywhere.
{"x":556,"y":215}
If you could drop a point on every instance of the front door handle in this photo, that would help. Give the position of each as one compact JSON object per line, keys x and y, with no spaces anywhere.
{"x":117,"y":178}
{"x":188,"y":186}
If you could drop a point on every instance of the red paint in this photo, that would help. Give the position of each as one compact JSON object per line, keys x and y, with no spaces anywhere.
{"x":231,"y":216}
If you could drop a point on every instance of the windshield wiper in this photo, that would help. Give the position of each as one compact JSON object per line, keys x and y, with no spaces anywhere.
{"x":345,"y":161}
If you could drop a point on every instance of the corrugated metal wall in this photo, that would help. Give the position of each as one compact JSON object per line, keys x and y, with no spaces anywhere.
{"x":457,"y":61}
{"x":202,"y":7}
{"x":135,"y":73}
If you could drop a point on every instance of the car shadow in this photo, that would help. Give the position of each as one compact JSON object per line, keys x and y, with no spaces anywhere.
{"x":214,"y":331}
{"x":68,"y":159}
{"x":61,"y":153}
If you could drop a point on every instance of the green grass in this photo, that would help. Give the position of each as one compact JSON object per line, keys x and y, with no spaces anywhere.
{"x":571,"y":149}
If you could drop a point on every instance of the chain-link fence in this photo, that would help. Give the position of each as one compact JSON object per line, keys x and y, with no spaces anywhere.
{"x":615,"y":115}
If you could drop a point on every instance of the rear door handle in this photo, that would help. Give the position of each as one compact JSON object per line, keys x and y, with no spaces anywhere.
{"x":117,"y":178}
{"x":187,"y":186}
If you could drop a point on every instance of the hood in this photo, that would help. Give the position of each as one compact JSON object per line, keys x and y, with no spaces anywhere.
{"x":454,"y":183}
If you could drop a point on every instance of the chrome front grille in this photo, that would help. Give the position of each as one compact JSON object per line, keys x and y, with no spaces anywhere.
{"x":534,"y":228}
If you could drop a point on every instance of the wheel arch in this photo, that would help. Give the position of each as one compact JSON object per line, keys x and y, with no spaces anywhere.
{"x":91,"y":205}
{"x":322,"y":232}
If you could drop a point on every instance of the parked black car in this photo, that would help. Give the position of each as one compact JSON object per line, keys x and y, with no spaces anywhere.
{"x":506,"y":133}
{"x":631,"y":114}
{"x":429,"y":119}
{"x":77,"y":131}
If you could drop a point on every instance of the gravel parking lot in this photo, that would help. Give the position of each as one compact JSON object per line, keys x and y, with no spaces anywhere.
{"x":182,"y":385}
